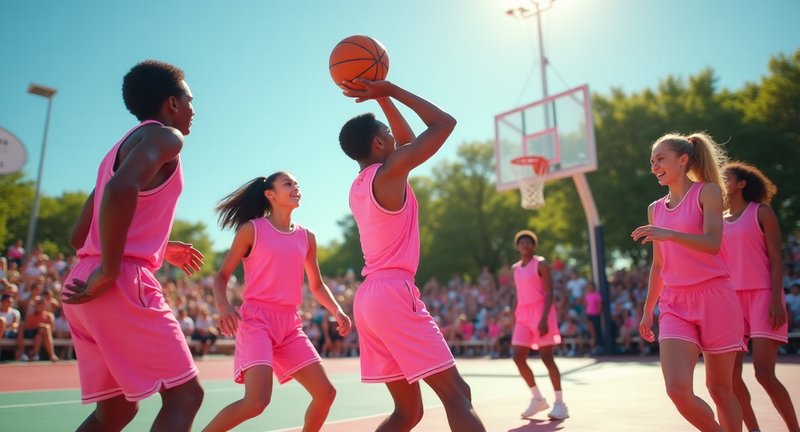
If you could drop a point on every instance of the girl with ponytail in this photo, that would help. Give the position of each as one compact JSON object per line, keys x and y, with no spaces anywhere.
{"x":275,"y":252}
{"x":699,"y":310}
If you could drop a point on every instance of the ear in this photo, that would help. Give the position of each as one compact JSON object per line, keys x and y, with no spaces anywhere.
{"x":683,"y":160}
{"x":741,"y":184}
{"x":172,"y":103}
{"x":376,"y":142}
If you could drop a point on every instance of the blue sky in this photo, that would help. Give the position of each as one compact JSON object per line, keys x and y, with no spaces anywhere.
{"x":265,"y":101}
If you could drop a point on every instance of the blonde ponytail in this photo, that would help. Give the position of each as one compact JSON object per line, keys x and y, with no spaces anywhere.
{"x":706,"y":156}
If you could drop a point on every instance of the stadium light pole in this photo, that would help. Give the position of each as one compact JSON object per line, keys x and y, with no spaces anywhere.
{"x":533,"y":8}
{"x":48,"y":93}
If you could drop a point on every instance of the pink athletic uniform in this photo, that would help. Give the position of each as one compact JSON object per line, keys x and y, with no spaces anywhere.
{"x":398,"y":338}
{"x":271,"y":331}
{"x":127,"y":340}
{"x":697,"y":304}
{"x":531,"y":298}
{"x":745,"y":250}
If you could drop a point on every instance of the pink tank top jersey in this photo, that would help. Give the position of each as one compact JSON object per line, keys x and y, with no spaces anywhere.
{"x":389,"y":239}
{"x":744,"y":248}
{"x":152,"y":219}
{"x":528,"y":282}
{"x":273,"y":271}
{"x":683,"y":266}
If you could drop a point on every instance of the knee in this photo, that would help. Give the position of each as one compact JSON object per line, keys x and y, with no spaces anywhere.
{"x":719,"y":391}
{"x":764,"y":375}
{"x":325,"y":395}
{"x":679,"y":392}
{"x":409,"y":419}
{"x":254,"y":406}
{"x":190,"y":396}
{"x":520,"y":356}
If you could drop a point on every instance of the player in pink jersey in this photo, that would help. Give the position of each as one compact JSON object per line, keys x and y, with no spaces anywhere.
{"x":122,"y":239}
{"x":399,"y":340}
{"x":269,"y":332}
{"x":699,"y":310}
{"x":752,"y":248}
{"x":536,"y":324}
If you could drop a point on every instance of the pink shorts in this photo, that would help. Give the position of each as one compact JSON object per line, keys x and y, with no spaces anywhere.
{"x":127,"y":340}
{"x":526,"y":327}
{"x":755,"y":308}
{"x":397,"y":336}
{"x":707,"y":314}
{"x":272,"y":335}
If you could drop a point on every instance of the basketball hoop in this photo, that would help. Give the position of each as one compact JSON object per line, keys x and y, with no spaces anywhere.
{"x":531,"y":188}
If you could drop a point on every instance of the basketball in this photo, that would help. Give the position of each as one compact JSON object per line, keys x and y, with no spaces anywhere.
{"x":358,"y":57}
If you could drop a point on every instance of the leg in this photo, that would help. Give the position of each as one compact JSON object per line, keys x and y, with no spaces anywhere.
{"x":678,"y":359}
{"x":47,"y":339}
{"x":552,"y":370}
{"x":457,"y":400}
{"x":179,"y":405}
{"x":110,"y":415}
{"x":257,"y":395}
{"x":719,"y":380}
{"x":742,"y":395}
{"x":314,"y":379}
{"x":520,"y":354}
{"x":765,"y":352}
{"x":407,"y":407}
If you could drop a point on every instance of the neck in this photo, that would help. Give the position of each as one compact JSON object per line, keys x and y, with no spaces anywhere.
{"x":281,"y":218}
{"x":736,"y":204}
{"x":370,"y":161}
{"x":680,"y":188}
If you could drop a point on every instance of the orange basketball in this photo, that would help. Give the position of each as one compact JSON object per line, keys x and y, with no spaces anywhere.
{"x":358,"y":57}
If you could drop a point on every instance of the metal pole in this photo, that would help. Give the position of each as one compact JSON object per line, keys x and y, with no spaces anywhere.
{"x":35,"y":212}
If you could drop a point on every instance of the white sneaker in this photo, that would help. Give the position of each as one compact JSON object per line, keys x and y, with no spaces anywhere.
{"x":559,"y":411}
{"x":24,"y":357}
{"x":537,"y":405}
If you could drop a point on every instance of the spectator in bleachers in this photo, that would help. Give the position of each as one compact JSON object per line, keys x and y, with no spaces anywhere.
{"x":593,"y":303}
{"x":38,"y":326}
{"x":205,"y":331}
{"x":793,"y":305}
{"x":16,"y":253}
{"x":10,"y":317}
{"x":186,"y":322}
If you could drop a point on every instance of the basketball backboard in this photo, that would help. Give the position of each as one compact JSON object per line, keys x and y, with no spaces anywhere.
{"x":559,"y":128}
{"x":12,"y":153}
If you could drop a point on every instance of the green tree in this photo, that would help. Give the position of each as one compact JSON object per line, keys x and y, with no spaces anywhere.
{"x":15,"y":207}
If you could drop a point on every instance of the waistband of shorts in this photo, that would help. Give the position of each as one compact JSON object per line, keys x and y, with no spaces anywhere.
{"x":711,"y":283}
{"x":271,"y":306}
{"x":125,"y":260}
{"x":393,"y":273}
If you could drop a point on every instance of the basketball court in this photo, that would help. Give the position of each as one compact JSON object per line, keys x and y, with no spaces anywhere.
{"x":604,"y":394}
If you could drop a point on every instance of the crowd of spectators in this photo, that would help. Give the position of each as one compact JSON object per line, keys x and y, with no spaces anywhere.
{"x":474,"y":312}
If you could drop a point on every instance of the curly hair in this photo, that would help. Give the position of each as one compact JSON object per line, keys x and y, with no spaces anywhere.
{"x":758,"y":187}
{"x":148,"y":84}
{"x":356,"y":135}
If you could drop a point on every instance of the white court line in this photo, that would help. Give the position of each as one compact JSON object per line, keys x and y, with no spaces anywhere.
{"x":385,"y":414}
{"x":67,"y":402}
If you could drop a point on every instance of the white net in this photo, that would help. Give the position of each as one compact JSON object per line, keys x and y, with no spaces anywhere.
{"x":531,"y":178}
{"x":531,"y":191}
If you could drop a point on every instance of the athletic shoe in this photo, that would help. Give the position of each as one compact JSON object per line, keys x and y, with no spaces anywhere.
{"x":537,"y":405}
{"x":559,"y":411}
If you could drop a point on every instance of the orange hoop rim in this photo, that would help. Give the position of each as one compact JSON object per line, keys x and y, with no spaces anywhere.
{"x":538,"y":163}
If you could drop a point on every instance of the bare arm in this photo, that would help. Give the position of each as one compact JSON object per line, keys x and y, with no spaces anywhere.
{"x":241,"y":245}
{"x":547,"y":281}
{"x":81,"y":229}
{"x":708,"y":242}
{"x":158,"y":146}
{"x":390,"y":181}
{"x":321,"y":291}
{"x":772,"y":234}
{"x":400,"y":129}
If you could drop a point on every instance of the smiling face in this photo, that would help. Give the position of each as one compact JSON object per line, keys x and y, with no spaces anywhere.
{"x":666,"y":164}
{"x":285,"y":192}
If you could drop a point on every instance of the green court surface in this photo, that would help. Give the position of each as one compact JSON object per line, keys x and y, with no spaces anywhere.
{"x":620,"y":394}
